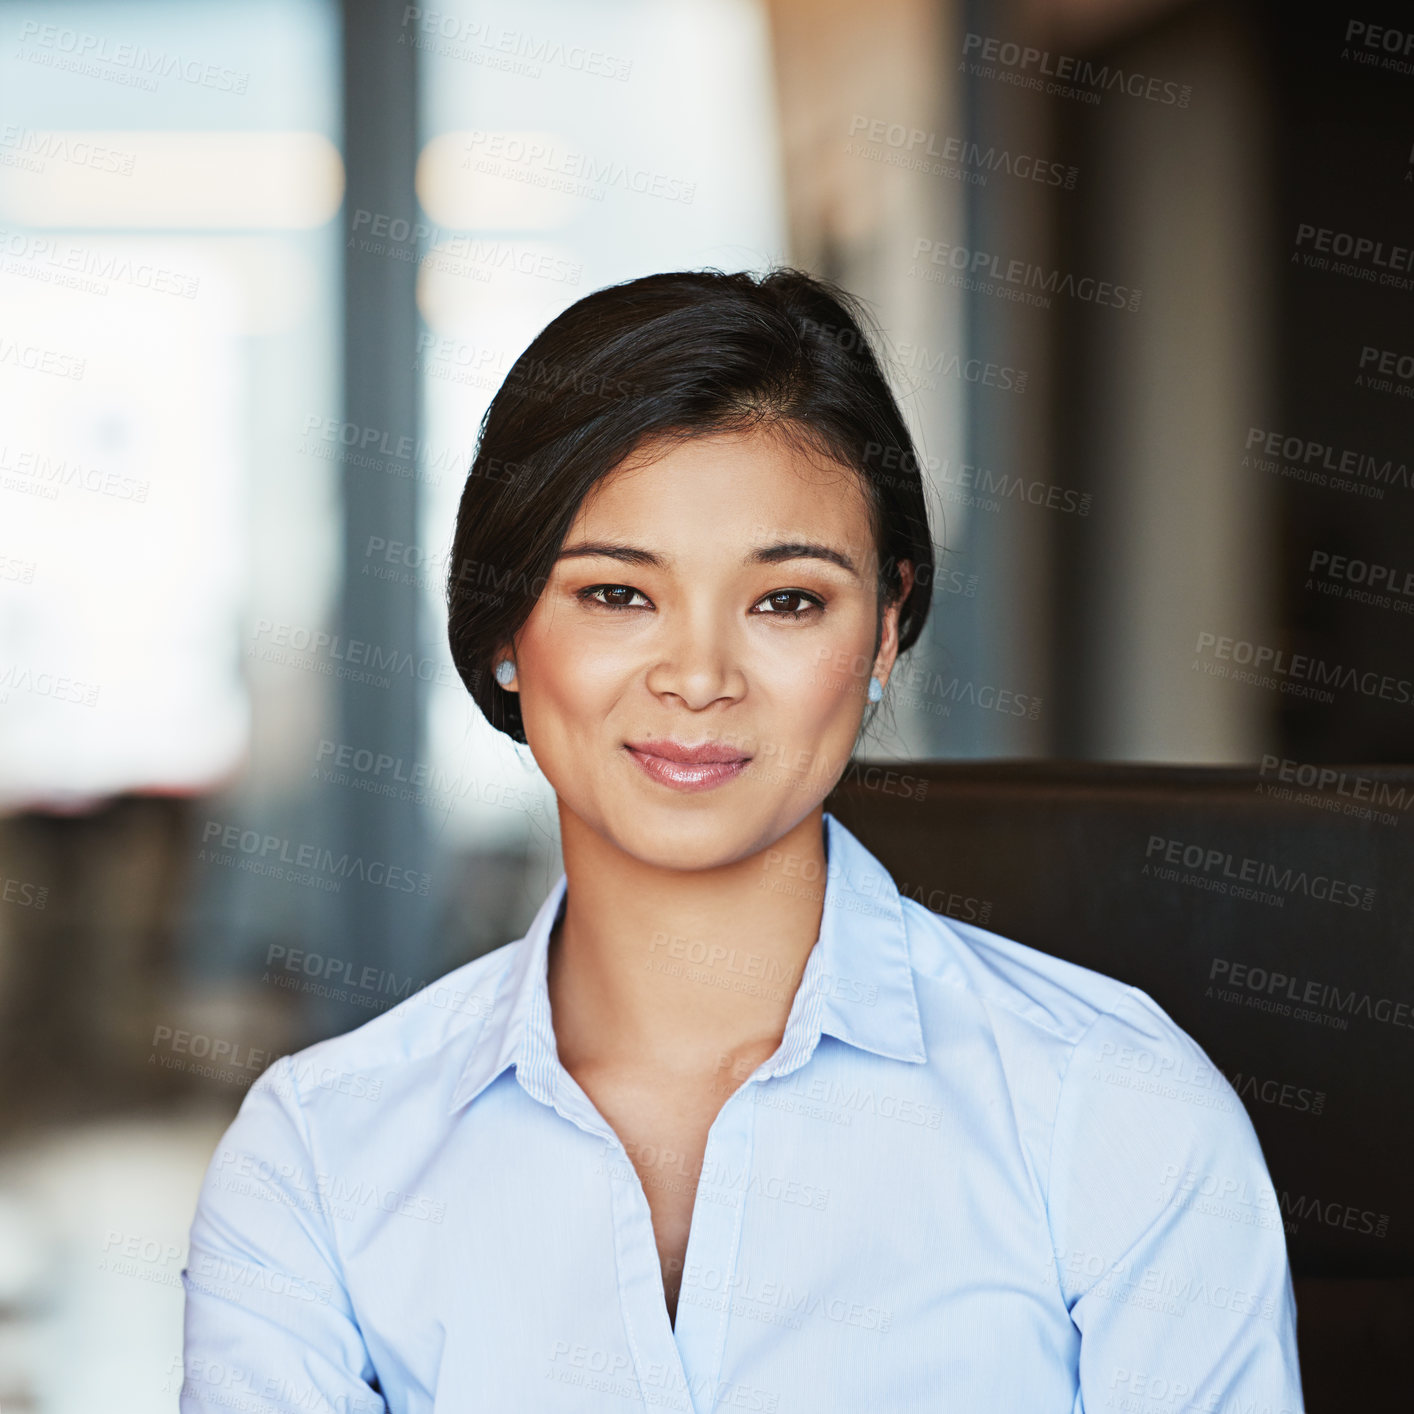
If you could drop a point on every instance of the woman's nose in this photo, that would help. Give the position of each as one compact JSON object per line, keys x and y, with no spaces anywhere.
{"x":697,"y":661}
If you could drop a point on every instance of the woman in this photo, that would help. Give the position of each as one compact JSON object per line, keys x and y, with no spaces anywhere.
{"x":734,"y":1124}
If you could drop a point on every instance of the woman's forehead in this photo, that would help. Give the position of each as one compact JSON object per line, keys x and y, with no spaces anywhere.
{"x":741,"y":478}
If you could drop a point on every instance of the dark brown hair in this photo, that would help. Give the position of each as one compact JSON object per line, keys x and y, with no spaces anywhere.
{"x":671,"y":357}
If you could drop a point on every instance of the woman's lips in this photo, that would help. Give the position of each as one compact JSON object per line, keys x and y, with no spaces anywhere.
{"x":687,"y":776}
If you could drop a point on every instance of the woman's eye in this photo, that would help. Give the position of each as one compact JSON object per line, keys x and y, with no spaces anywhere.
{"x":619,"y":595}
{"x":784,"y":603}
{"x":779,"y":611}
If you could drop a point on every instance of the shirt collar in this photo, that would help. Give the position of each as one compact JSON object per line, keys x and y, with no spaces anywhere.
{"x":857,"y":984}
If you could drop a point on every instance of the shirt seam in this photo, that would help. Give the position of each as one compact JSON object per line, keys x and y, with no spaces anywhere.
{"x":1055,"y":1118}
{"x":997,"y":998}
{"x":911,"y":972}
{"x":307,"y":1139}
{"x":1039,"y":1185}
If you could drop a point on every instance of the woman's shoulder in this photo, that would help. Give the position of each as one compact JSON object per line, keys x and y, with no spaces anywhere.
{"x":1097,"y":1063}
{"x":409,"y":1039}
{"x":1053,"y":999}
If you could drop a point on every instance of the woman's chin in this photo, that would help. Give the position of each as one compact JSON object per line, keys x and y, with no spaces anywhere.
{"x":687,"y":836}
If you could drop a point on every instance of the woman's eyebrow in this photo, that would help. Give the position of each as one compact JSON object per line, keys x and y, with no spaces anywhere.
{"x":603,"y":549}
{"x":801,"y":550}
{"x":765,"y":555}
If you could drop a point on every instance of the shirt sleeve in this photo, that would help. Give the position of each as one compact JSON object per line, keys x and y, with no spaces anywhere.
{"x":269,"y":1325}
{"x":1169,"y":1240}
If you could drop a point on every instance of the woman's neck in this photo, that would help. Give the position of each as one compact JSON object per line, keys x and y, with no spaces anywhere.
{"x":689,"y":971}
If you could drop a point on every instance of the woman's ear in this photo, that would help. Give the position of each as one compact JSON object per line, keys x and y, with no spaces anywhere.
{"x":888,"y":641}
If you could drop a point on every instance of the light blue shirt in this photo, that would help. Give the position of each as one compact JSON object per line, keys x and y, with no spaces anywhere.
{"x":972,"y":1177}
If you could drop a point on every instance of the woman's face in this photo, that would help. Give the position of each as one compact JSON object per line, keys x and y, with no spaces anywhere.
{"x":721,"y":596}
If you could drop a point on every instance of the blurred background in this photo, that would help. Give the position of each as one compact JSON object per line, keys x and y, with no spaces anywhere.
{"x":1144,"y":268}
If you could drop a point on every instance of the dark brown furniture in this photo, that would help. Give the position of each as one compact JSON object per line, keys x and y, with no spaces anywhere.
{"x":1270,"y":911}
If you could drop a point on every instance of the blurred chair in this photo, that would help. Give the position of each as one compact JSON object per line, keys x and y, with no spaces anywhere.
{"x":1268,"y":910}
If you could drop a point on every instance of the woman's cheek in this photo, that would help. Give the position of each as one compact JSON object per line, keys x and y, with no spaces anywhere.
{"x":835,"y":669}
{"x":826,"y":701}
{"x":581,"y":662}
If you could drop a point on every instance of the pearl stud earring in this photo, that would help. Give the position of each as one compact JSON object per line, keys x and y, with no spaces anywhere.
{"x":505,"y":671}
{"x":876,"y":690}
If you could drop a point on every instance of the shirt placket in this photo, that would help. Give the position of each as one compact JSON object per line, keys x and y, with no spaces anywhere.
{"x":677,"y":1365}
{"x":658,"y":1365}
{"x":710,"y":1266}
{"x":658,"y":1362}
{"x":710,"y":1262}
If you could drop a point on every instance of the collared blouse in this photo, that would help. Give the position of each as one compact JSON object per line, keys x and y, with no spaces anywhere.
{"x":972,"y":1177}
